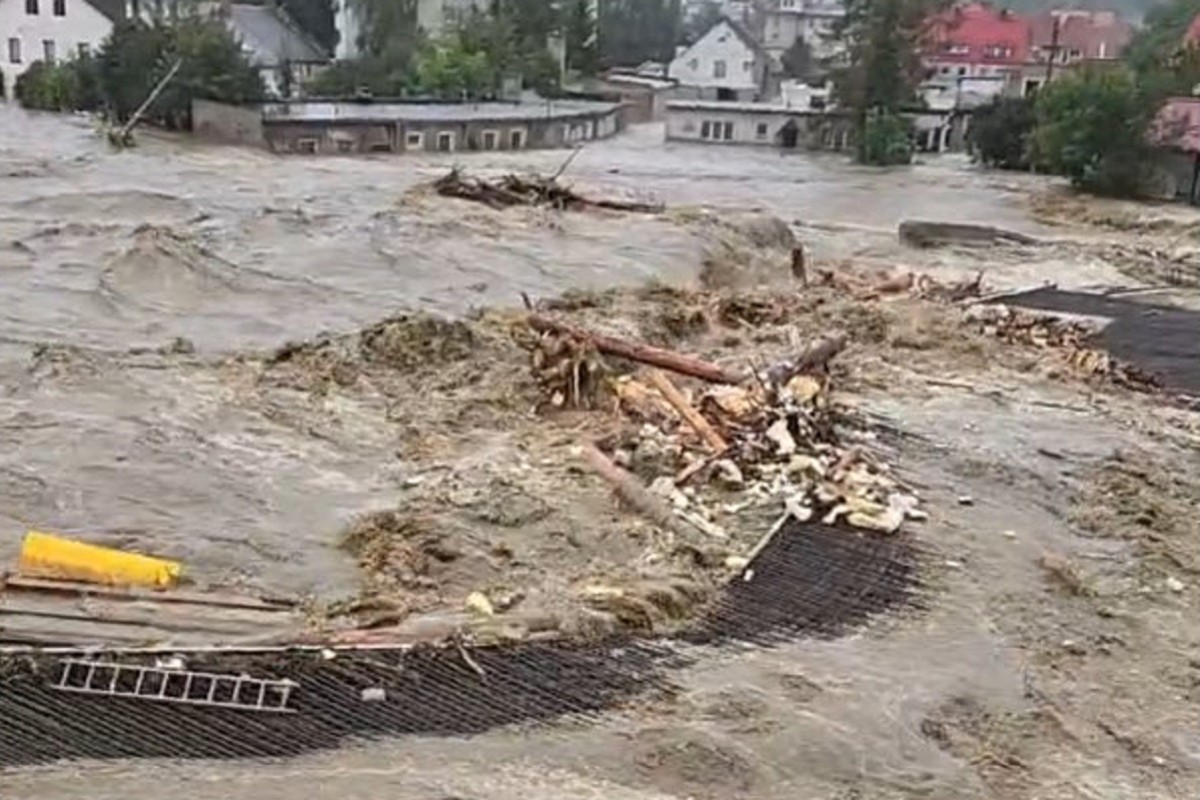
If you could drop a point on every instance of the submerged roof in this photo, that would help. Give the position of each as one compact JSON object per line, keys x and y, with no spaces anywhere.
{"x":351,"y":112}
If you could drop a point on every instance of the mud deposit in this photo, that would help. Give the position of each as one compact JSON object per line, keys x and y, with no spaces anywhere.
{"x":276,"y":370}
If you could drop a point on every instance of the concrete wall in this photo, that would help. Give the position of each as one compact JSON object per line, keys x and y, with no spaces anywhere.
{"x":227,"y":123}
{"x":81,"y":24}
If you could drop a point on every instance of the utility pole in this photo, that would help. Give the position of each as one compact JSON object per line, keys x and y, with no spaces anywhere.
{"x":1053,"y":48}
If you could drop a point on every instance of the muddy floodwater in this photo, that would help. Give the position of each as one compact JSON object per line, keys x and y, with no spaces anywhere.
{"x":133,"y":283}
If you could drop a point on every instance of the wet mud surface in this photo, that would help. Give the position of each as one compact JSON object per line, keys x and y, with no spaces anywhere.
{"x":149,"y":294}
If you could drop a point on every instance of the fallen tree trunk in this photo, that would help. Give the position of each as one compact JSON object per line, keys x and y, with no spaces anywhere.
{"x":638,"y":351}
{"x":630,"y":489}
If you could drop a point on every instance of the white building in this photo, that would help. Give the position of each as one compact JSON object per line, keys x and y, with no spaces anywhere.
{"x":435,"y":17}
{"x":726,"y":63}
{"x":47,"y":30}
{"x":811,"y":21}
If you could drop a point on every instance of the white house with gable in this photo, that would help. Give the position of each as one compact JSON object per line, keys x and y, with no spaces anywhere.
{"x":726,"y":63}
{"x":47,"y":30}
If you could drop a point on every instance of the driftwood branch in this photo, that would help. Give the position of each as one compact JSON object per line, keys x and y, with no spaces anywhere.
{"x":637,"y":351}
{"x":815,"y":356}
{"x":629,"y":488}
{"x":688,"y":411}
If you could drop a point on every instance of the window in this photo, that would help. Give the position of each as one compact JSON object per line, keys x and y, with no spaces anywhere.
{"x":719,"y":69}
{"x":705,"y":129}
{"x":60,"y":8}
{"x":728,"y":131}
{"x":760,"y":132}
{"x":345,"y":146}
{"x":445,"y":142}
{"x":516,"y":139}
{"x":787,"y":3}
{"x":1073,"y":53}
{"x":694,"y":64}
{"x":414,"y":140}
{"x":962,"y":71}
{"x":306,"y":145}
{"x":490,"y":139}
{"x":48,"y":51}
{"x":14,"y":50}
{"x":31,"y":7}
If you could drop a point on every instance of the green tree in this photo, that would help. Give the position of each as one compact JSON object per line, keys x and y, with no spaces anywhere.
{"x":1001,"y":132}
{"x":697,"y":23}
{"x":579,"y":28}
{"x":882,"y":67}
{"x":136,"y":56}
{"x":1092,"y":127}
{"x":316,"y":18}
{"x":632,"y":31}
{"x":798,"y":61}
{"x":450,"y":71}
{"x":885,"y":139}
{"x":1161,"y":36}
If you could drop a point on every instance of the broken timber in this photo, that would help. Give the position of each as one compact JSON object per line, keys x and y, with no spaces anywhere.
{"x":637,"y":351}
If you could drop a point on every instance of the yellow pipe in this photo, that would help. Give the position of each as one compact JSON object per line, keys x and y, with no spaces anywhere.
{"x":46,"y":556}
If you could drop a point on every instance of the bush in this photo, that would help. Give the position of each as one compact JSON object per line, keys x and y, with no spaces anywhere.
{"x":68,"y":86}
{"x":885,"y":140}
{"x":1001,"y":132}
{"x":1091,"y":127}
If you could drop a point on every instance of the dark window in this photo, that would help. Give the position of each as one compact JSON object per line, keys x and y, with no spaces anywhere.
{"x":761,"y":131}
{"x":31,"y":6}
{"x":49,"y":52}
{"x":60,"y":8}
{"x":14,"y":50}
{"x":515,"y":140}
{"x":445,"y":142}
{"x":704,"y":129}
{"x":728,"y":131}
{"x":489,"y":140}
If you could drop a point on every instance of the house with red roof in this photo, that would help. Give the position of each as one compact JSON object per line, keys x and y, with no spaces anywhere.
{"x":976,"y":41}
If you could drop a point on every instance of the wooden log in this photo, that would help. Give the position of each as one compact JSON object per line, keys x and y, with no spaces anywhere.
{"x":19,"y":583}
{"x":629,"y":488}
{"x":637,"y":351}
{"x":815,"y":355}
{"x":688,"y":411}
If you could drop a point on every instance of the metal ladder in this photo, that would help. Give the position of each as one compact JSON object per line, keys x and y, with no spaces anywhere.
{"x":166,"y":685}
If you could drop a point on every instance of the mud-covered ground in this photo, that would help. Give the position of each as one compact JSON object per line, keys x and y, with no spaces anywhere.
{"x":149,"y":401}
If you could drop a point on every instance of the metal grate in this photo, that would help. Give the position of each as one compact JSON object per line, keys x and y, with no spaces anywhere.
{"x":170,"y":685}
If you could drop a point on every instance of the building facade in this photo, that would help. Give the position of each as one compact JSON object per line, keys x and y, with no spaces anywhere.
{"x":726,"y":63}
{"x":810,"y":21}
{"x":977,"y":41}
{"x":47,"y":30}
{"x":761,"y":124}
{"x":313,"y":127}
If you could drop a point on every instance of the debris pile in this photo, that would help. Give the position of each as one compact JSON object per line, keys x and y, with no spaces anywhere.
{"x":746,"y":440}
{"x":529,"y":190}
{"x":1071,"y":337}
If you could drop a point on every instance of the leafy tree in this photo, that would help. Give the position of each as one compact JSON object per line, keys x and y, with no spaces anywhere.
{"x":883,"y":66}
{"x":579,"y":28}
{"x":700,"y":21}
{"x":1001,"y":132}
{"x":1161,"y":36}
{"x":448,"y":70}
{"x":632,"y":31}
{"x":1092,"y":127}
{"x":316,"y":18}
{"x":368,"y":74}
{"x":885,"y":139}
{"x":136,"y":56}
{"x":798,"y":61}
{"x":388,"y":30}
